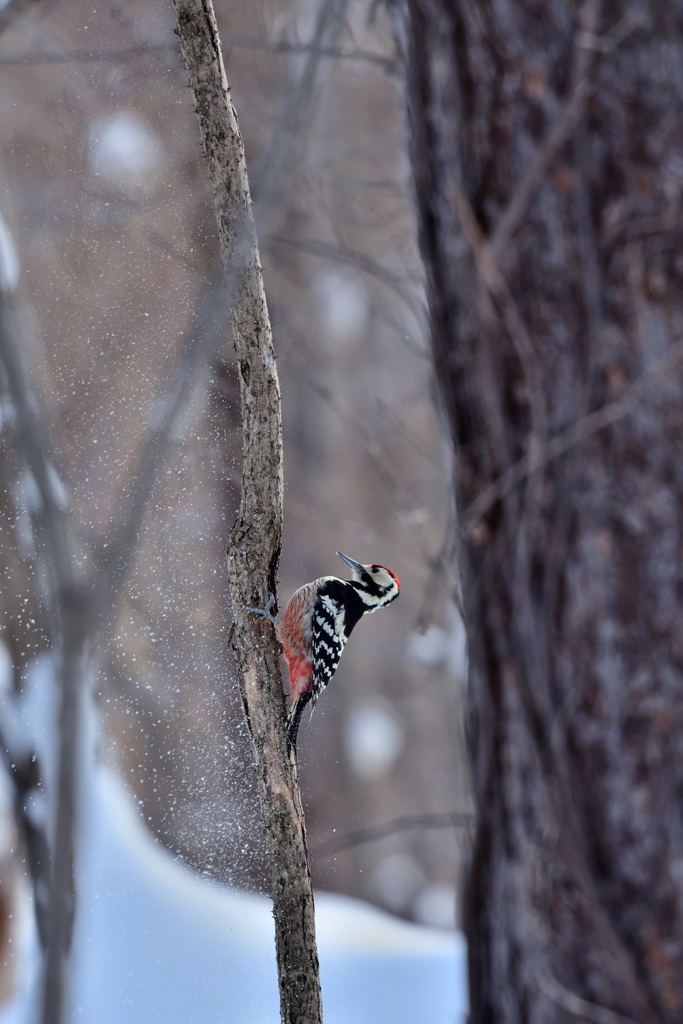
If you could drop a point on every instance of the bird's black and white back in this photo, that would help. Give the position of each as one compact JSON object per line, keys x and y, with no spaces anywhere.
{"x":337,"y":609}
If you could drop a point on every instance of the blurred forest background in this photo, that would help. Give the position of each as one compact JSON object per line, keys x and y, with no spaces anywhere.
{"x":542,"y":173}
{"x":104,"y":188}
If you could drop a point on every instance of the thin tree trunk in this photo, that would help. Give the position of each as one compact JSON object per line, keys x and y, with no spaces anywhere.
{"x":254,"y":549}
{"x":542,"y":141}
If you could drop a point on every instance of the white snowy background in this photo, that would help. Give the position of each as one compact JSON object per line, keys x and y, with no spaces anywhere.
{"x":155,"y":941}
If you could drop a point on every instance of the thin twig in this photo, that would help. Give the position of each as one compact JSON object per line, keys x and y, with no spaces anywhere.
{"x":353,"y":258}
{"x":320,"y":49}
{"x":238,"y":42}
{"x":115,"y":558}
{"x":71,"y":620}
{"x":288,"y":142}
{"x":31,"y":444}
{"x":88,"y":56}
{"x":382,"y":830}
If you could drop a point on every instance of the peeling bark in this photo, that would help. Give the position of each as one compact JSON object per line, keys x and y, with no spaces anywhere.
{"x":255,"y":540}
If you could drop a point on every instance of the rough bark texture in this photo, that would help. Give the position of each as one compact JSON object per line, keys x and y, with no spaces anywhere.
{"x":544,"y":139}
{"x":254,"y":548}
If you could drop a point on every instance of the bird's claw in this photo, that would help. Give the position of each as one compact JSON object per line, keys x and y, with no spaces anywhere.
{"x":264,"y":613}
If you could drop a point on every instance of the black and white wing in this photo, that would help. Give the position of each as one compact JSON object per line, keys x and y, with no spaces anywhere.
{"x":329,"y":637}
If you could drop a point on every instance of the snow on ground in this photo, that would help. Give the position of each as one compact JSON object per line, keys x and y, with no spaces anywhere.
{"x":156,"y":942}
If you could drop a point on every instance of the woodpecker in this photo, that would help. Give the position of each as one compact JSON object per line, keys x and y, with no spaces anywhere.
{"x":318,"y":621}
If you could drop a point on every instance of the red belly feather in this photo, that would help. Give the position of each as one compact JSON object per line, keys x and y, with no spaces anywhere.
{"x":294,"y":633}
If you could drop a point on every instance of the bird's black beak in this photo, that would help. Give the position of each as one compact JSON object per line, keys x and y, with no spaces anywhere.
{"x":352,"y":563}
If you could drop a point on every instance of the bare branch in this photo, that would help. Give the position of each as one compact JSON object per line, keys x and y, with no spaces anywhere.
{"x":293,"y":123}
{"x":238,"y":42}
{"x":31,"y":442}
{"x":88,"y":56}
{"x":406,"y":823}
{"x":24,"y":771}
{"x":351,"y":257}
{"x":75,"y":618}
{"x":71,"y":618}
{"x":117,"y":556}
{"x":386,"y":63}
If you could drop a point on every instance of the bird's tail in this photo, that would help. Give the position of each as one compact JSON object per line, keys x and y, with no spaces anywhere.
{"x":294,"y":719}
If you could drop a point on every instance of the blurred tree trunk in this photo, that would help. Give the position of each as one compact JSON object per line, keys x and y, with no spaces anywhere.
{"x":548,"y":163}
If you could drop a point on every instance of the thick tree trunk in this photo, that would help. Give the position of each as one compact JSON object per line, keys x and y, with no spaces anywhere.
{"x":547,"y":151}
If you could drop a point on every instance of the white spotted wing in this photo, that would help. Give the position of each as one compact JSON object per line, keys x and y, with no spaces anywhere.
{"x":329,"y":637}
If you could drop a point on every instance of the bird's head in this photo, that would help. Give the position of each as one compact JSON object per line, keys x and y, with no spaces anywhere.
{"x":376,"y":585}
